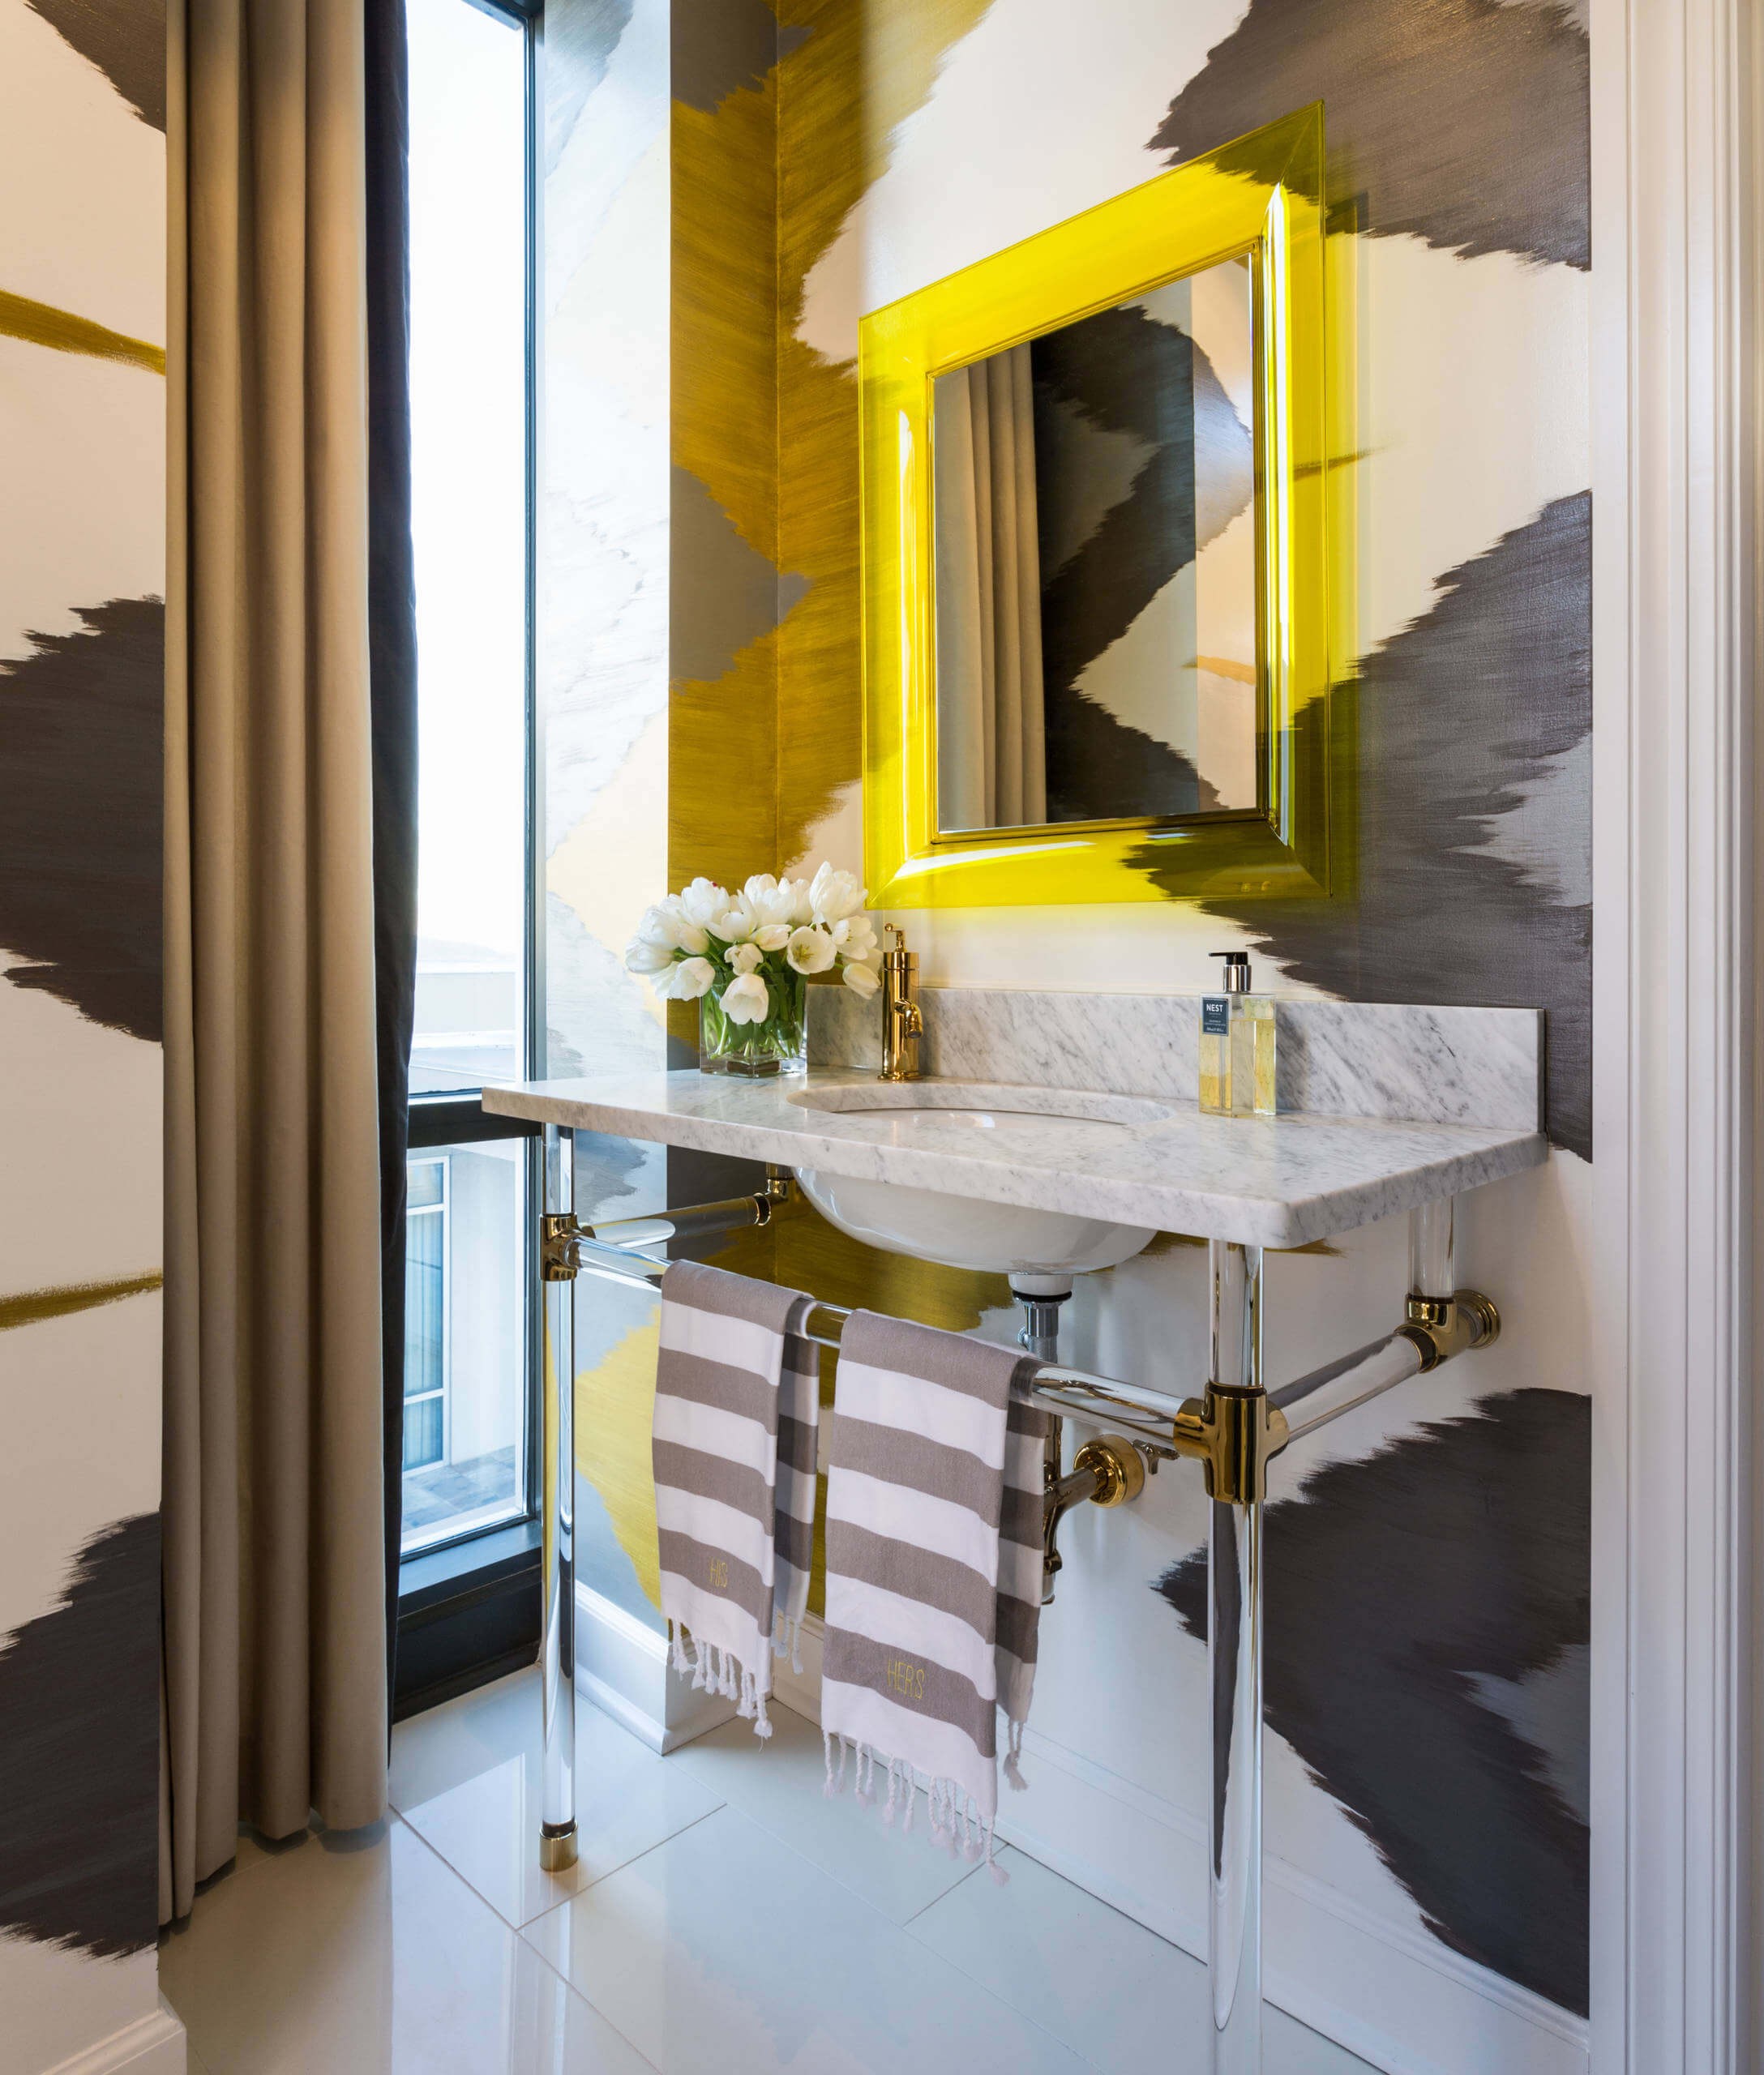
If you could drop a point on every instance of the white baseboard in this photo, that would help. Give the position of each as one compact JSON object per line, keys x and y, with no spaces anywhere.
{"x":1397,"y":1998}
{"x":622,"y":1666}
{"x":155,"y":2044}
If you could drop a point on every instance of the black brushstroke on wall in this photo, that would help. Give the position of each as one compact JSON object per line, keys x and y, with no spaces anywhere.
{"x":79,"y":1727}
{"x":81,"y":748}
{"x":1458,"y":1553}
{"x":1454,"y":716}
{"x":1465,"y":123}
{"x":125,"y":39}
{"x":1125,"y":372}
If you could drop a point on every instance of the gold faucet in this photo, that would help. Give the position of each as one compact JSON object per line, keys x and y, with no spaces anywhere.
{"x":903,"y":1022}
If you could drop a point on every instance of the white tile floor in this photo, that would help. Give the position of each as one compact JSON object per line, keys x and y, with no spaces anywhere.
{"x":724,"y":1916}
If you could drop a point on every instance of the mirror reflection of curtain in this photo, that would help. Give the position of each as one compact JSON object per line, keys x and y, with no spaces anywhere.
{"x":991,"y":754}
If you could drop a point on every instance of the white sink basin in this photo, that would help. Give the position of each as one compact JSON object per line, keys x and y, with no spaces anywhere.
{"x":1040,"y":1250}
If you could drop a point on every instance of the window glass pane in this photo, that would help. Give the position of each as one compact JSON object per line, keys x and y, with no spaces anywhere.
{"x":466,"y":1342}
{"x":468,"y":405}
{"x":425,"y":1184}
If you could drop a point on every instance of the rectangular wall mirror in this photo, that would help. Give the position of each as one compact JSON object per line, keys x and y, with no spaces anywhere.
{"x":1095,"y":564}
{"x":1094,"y":508}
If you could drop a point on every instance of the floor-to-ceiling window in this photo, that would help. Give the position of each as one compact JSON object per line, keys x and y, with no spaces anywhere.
{"x":468,"y":1459}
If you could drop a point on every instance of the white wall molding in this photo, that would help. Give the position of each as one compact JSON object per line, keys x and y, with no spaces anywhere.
{"x":155,"y":2044}
{"x":622,"y":1666}
{"x":1674,"y":345}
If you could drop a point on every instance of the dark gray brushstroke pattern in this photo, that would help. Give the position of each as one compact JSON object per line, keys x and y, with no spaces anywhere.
{"x":82,"y":724}
{"x":1445,"y":726}
{"x":1394,"y":1585}
{"x":721,"y":47}
{"x":724,"y":594}
{"x":1463,"y":121}
{"x":125,"y":39}
{"x":79,"y":1729}
{"x":1126,"y":372}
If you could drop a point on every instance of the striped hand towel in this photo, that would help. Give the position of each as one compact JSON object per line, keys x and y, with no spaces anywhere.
{"x":737,"y":1411}
{"x":934,"y":1543}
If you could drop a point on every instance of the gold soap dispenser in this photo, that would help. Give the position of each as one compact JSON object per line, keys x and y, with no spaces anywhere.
{"x":1237,"y":1045}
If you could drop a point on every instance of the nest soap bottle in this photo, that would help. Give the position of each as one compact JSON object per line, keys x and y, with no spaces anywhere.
{"x":1237,"y":1045}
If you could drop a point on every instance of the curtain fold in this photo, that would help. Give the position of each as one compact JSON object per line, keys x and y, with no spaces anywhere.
{"x":992,"y":748}
{"x":274,"y":1576}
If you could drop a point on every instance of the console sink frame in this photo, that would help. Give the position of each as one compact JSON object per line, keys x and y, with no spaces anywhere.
{"x":1233,"y":1428}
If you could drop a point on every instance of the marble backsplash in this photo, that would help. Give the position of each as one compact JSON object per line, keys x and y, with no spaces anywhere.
{"x":1453,"y":1065}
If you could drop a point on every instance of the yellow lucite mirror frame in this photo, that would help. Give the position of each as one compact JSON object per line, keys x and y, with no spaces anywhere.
{"x":1261,"y":196}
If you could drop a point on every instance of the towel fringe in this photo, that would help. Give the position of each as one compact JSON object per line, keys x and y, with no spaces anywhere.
{"x":1013,"y":1770}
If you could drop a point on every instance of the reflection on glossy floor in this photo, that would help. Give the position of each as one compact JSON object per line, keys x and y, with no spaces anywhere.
{"x":724,"y":1916}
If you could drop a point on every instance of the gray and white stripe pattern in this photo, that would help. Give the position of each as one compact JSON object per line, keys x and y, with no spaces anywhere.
{"x":934,"y":1511}
{"x":734,"y":1389}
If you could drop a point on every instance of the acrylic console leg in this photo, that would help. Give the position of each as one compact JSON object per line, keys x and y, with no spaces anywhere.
{"x":557,"y":1831}
{"x":1234,"y":1662}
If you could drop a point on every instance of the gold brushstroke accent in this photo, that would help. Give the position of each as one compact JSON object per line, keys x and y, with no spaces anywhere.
{"x":1224,"y":666}
{"x":842,"y":95}
{"x":31,"y":1306}
{"x":721,"y":792}
{"x":41,"y":324}
{"x":614,"y":1413}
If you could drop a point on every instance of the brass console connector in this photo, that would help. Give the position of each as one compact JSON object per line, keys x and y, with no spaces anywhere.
{"x":778,"y":1187}
{"x":1441,"y":1327}
{"x":558,"y":1232}
{"x":1231,"y":1432}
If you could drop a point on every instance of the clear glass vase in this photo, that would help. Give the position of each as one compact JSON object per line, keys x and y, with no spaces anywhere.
{"x":779,"y":1045}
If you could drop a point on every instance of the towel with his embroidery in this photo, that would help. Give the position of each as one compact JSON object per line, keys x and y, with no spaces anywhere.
{"x":737,"y":1414}
{"x":934,"y":1569}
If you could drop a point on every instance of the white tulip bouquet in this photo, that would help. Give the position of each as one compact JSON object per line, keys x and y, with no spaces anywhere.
{"x":746,"y":958}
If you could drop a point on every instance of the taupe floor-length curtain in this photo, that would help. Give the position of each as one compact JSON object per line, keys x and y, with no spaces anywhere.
{"x":991,"y":747}
{"x":274,"y":1611}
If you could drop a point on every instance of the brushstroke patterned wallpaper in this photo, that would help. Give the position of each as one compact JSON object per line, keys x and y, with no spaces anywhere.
{"x":732,"y":187}
{"x":82,"y":571}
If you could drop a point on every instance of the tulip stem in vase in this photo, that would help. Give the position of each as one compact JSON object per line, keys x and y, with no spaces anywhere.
{"x":746,"y":958}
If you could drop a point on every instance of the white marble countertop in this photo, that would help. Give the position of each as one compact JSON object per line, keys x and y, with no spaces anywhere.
{"x":1272,"y":1181}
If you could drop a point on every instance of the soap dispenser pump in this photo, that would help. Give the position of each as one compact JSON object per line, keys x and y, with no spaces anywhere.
{"x":1237,"y":1045}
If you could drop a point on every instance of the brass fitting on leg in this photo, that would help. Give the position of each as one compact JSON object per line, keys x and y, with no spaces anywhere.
{"x":1232,"y":1432}
{"x":1441,"y":1327}
{"x":558,"y":1232}
{"x":778,"y":1187}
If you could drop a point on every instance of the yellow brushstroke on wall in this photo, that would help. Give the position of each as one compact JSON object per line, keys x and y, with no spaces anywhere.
{"x":864,"y":67}
{"x":614,"y":1411}
{"x":30,"y":1307}
{"x":42,"y":324}
{"x":722,"y":817}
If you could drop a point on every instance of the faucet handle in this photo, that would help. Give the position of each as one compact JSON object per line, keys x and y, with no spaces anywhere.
{"x":894,"y":929}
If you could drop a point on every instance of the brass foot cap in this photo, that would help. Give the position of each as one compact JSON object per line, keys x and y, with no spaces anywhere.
{"x":557,"y":1847}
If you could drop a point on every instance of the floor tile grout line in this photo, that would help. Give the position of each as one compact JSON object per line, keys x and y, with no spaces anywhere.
{"x":838,"y":1879}
{"x":992,"y":1994}
{"x":514,"y":1932}
{"x":581,"y":1888}
{"x":624,"y":1866}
